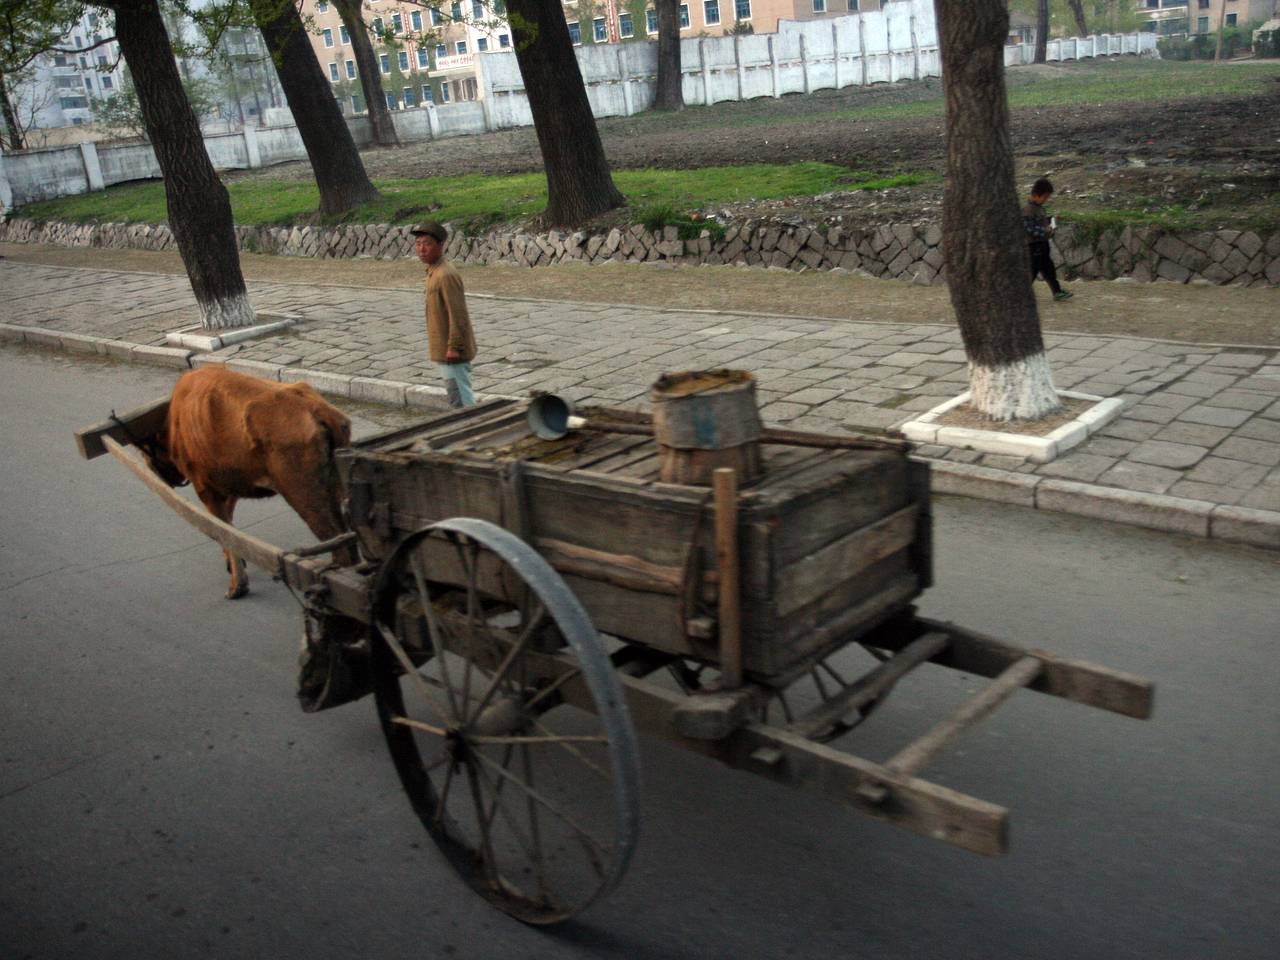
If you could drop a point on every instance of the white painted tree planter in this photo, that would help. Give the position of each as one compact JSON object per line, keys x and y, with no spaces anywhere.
{"x":925,"y":429}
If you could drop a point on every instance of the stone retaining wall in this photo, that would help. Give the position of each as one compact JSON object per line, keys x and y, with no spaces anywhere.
{"x":904,"y":251}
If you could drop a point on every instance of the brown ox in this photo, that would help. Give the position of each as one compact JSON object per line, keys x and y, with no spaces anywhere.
{"x":235,"y":436}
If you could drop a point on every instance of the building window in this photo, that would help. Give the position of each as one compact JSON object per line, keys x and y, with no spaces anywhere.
{"x":392,"y":102}
{"x":73,"y":103}
{"x":351,"y":69}
{"x":477,"y":9}
{"x":357,"y":104}
{"x":742,"y":8}
{"x":624,"y":25}
{"x":415,"y":19}
{"x":408,"y":97}
{"x":500,"y":7}
{"x":444,"y":92}
{"x":427,"y":95}
{"x":482,"y":44}
{"x":575,"y":33}
{"x":107,"y":83}
{"x":397,"y":23}
{"x":322,"y":7}
{"x":684,"y":16}
{"x":343,"y":36}
{"x":1204,"y":5}
{"x":651,"y":20}
{"x":436,"y":17}
{"x":504,"y":40}
{"x":333,"y":71}
{"x":441,"y":51}
{"x":599,"y":30}
{"x":328,"y":38}
{"x":385,"y":61}
{"x":455,"y":10}
{"x":377,"y":26}
{"x":1231,"y":19}
{"x":461,"y":47}
{"x":711,"y":11}
{"x":88,"y":83}
{"x":819,"y":6}
{"x":422,"y":58}
{"x":1202,"y":25}
{"x":403,"y":60}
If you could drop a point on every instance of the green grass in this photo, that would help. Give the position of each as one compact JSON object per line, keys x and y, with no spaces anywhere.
{"x":1141,"y":81}
{"x":478,"y":200}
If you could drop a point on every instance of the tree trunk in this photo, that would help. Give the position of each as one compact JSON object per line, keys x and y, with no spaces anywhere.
{"x":199,"y":208}
{"x":579,"y":185}
{"x":335,"y":162}
{"x":1042,"y":31}
{"x":1077,"y":11}
{"x":1222,"y":23}
{"x":384,"y":128}
{"x":670,"y":92}
{"x":13,"y":138}
{"x":984,"y":245}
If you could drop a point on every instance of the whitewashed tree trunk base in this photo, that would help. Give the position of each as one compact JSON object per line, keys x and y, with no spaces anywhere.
{"x":1022,"y":390}
{"x":228,"y":313}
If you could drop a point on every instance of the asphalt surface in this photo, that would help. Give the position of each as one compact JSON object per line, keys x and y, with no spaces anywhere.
{"x":162,"y":795}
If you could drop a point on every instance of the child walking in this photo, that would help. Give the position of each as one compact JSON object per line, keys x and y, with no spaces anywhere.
{"x":1039,"y":229}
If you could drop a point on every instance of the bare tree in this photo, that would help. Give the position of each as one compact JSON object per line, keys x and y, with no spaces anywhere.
{"x":1222,"y":22}
{"x":335,"y":161}
{"x":670,"y":92}
{"x":579,"y":185}
{"x":13,"y":138}
{"x":1042,"y":31}
{"x":1077,"y":11}
{"x":199,"y":207}
{"x":384,"y":128}
{"x":984,"y":245}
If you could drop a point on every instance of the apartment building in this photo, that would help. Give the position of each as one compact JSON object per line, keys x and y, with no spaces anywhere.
{"x":429,"y":54}
{"x":63,"y":85}
{"x":1176,"y":17}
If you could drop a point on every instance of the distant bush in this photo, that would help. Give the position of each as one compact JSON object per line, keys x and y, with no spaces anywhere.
{"x":1204,"y":46}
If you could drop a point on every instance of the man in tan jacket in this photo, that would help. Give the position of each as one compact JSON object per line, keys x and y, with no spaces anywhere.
{"x":450,"y":342}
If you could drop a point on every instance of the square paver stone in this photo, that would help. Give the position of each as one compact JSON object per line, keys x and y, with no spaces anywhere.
{"x":1233,"y":473}
{"x":1250,"y":451}
{"x":1162,"y":453}
{"x":1147,"y":478}
{"x":1215,"y":416}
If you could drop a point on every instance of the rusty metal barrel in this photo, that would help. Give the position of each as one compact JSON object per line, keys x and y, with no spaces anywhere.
{"x":705,"y":419}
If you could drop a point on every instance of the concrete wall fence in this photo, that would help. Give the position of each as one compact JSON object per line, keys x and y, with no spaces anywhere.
{"x":884,"y":46}
{"x":903,"y":251}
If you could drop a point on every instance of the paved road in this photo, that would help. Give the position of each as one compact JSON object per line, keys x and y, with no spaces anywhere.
{"x":161,"y":794}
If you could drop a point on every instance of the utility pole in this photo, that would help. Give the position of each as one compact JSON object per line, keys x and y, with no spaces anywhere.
{"x":1222,"y":19}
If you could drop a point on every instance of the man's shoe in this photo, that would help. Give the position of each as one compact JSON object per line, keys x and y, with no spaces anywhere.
{"x":1062,"y":295}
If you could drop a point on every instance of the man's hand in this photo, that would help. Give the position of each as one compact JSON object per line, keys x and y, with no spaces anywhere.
{"x":452,"y":356}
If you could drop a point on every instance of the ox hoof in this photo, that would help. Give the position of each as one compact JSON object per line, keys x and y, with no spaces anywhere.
{"x":235,"y":593}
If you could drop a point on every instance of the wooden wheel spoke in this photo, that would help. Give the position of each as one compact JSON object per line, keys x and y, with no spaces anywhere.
{"x":419,"y":725}
{"x":504,"y":668}
{"x":496,"y":807}
{"x":437,"y":633}
{"x":442,"y":804}
{"x":468,"y":560}
{"x":550,"y":738}
{"x":556,"y":685}
{"x":567,"y":744}
{"x":598,"y":848}
{"x":487,"y":859}
{"x":531,"y":811}
{"x":393,"y":645}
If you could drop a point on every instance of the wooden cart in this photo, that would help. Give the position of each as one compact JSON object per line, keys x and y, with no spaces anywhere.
{"x":523,"y":605}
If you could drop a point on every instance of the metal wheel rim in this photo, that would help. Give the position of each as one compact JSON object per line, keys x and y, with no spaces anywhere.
{"x":595,"y":670}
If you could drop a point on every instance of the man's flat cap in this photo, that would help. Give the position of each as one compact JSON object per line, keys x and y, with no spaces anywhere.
{"x":429,"y":228}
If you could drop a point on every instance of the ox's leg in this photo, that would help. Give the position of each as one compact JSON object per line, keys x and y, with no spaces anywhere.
{"x":224,"y":507}
{"x":313,"y":490}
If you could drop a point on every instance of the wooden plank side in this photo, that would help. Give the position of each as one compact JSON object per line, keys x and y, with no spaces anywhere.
{"x":142,"y":421}
{"x":805,"y":580}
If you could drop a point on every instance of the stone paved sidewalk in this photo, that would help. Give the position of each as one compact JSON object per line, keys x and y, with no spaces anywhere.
{"x":1201,"y":423}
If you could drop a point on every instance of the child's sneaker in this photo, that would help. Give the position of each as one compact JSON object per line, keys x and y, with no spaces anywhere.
{"x":1062,"y":295}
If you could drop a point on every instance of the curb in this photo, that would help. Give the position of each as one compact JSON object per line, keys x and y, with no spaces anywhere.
{"x":1197,"y":518}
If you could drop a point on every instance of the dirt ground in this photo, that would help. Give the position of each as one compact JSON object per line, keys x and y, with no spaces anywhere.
{"x":1212,"y":153}
{"x":1169,"y":311}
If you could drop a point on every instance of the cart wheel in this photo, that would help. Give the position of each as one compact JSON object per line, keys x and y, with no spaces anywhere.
{"x":534,"y":801}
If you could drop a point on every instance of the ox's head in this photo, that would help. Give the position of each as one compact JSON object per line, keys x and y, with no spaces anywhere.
{"x":156,"y":452}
